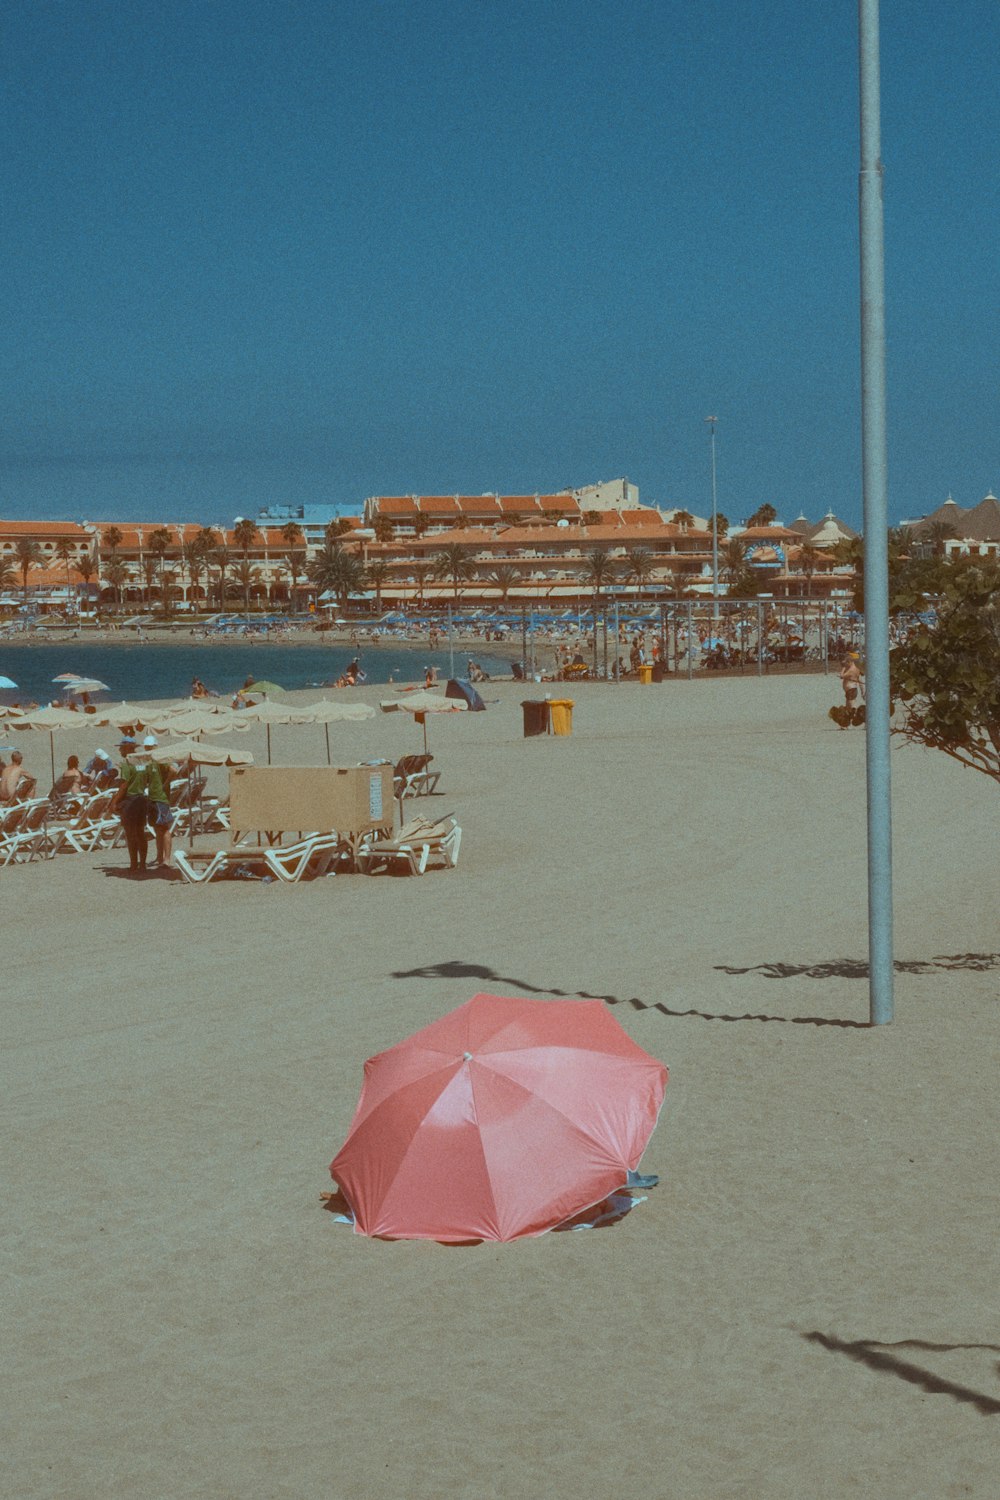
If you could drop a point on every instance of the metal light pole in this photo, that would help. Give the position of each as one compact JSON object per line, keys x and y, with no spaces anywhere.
{"x":715,"y":528}
{"x":875,"y":489}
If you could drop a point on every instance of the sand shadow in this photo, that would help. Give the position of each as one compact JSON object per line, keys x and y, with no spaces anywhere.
{"x":459,"y":969}
{"x":607,"y":1214}
{"x":877,"y":1356}
{"x":857,"y":968}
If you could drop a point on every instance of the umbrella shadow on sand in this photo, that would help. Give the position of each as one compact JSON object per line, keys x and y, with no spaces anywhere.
{"x":604,"y":1215}
{"x":880,"y":1357}
{"x":457,"y":969}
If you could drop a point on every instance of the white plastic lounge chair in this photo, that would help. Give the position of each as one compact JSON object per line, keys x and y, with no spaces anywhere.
{"x":313,"y":856}
{"x":411,"y":777}
{"x":415,"y":844}
{"x":310,"y":856}
{"x":33,"y":838}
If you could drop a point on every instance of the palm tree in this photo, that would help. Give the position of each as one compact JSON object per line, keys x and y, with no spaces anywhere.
{"x":764,"y":515}
{"x":421,"y":571}
{"x":195,"y":562}
{"x":222,"y":558}
{"x":245,"y":534}
{"x":112,"y":540}
{"x":338,"y":571}
{"x":294,"y":538}
{"x":599,"y":571}
{"x":28,"y":554}
{"x":8,"y":575}
{"x":683,"y":519}
{"x":935,"y":535}
{"x":116,"y":574}
{"x":65,"y":552}
{"x":246,"y":576}
{"x":147,"y":569}
{"x":453,"y":563}
{"x":159,"y":545}
{"x":86,"y":566}
{"x":502,"y":577}
{"x":733,"y":564}
{"x":336,"y":528}
{"x":810,"y":558}
{"x":378,"y":573}
{"x":383,"y":529}
{"x":168,"y":579}
{"x":638,"y":567}
{"x":206,"y":539}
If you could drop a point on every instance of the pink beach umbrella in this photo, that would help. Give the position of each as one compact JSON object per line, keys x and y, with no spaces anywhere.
{"x":502,"y":1119}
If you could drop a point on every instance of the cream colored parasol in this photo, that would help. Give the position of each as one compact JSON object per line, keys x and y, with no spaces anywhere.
{"x":421,"y":703}
{"x":336,"y":711}
{"x":57,"y":718}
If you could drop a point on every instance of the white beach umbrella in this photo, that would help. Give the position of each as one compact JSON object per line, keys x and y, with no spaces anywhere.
{"x":57,"y":718}
{"x":73,"y":683}
{"x":267,"y":713}
{"x":336,"y":711}
{"x":193,"y":753}
{"x":421,"y":703}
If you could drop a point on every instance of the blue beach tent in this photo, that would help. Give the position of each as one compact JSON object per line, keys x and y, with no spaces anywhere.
{"x":459,"y":687}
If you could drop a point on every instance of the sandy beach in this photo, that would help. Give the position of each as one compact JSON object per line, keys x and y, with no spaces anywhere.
{"x":804,"y":1309}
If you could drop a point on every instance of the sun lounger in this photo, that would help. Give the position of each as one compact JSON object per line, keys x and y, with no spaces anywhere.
{"x":92,"y":827}
{"x":200,"y":866}
{"x":33,"y":838}
{"x":311,"y":856}
{"x":416,"y":843}
{"x":411,"y":777}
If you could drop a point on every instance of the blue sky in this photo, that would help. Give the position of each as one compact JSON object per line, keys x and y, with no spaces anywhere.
{"x":310,"y":251}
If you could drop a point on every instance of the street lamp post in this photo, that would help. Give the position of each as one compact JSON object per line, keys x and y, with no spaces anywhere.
{"x":875,"y":490}
{"x":715,"y":527}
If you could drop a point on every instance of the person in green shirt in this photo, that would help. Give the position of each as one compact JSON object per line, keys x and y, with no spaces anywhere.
{"x":161,"y":814}
{"x":130,"y":805}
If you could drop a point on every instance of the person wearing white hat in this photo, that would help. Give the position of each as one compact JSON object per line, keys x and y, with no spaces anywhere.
{"x":130,"y":804}
{"x":161,"y":815}
{"x":99,"y":771}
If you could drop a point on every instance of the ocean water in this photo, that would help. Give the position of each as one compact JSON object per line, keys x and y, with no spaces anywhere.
{"x":137,"y":671}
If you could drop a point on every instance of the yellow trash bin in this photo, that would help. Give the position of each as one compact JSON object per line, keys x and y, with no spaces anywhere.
{"x":561,"y":715}
{"x":646,"y":673}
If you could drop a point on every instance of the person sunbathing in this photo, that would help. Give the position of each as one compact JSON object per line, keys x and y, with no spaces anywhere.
{"x":15,"y":783}
{"x":70,"y":783}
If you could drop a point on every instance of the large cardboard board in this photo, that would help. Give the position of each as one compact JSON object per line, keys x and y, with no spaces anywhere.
{"x":281,"y":799}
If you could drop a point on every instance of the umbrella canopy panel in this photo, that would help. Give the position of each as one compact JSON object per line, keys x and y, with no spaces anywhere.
{"x":501,"y":1120}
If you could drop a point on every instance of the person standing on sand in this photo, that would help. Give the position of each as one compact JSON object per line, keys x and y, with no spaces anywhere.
{"x":130,"y":805}
{"x":850,"y":679}
{"x":161,"y":814}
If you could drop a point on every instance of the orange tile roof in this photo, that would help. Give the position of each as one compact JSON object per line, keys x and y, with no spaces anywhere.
{"x":483,"y":504}
{"x":437,"y":505}
{"x":42,"y":528}
{"x":395,"y":505}
{"x":559,"y":502}
{"x":516,"y":503}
